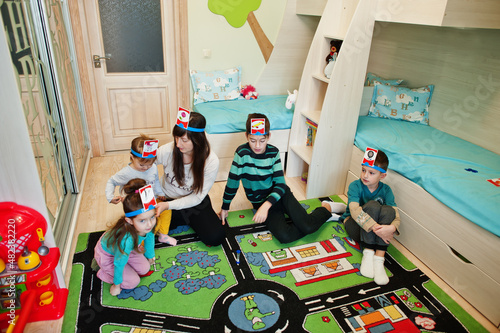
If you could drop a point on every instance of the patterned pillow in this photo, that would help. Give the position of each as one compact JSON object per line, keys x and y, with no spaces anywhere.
{"x":395,"y":102}
{"x":216,"y":85}
{"x":370,"y":78}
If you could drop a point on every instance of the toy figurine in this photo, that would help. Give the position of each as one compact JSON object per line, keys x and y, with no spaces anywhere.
{"x":249,"y":92}
{"x":332,"y":57}
{"x":291,"y":99}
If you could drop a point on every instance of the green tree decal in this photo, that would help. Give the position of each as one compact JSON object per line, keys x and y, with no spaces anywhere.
{"x":237,"y":12}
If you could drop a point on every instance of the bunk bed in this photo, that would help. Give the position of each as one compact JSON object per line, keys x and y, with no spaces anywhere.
{"x":457,"y":236}
{"x":443,"y":169}
{"x":423,"y":43}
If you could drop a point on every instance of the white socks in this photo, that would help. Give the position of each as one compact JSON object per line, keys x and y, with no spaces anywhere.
{"x":380,"y":276}
{"x":366,"y":268}
{"x":336,"y":207}
{"x":372,"y":267}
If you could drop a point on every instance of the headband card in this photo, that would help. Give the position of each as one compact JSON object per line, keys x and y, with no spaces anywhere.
{"x":258,"y":126}
{"x":150,"y":148}
{"x":183,"y":117}
{"x":370,"y":156}
{"x":147,"y":197}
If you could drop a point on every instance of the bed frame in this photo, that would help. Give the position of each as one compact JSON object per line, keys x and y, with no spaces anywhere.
{"x":224,"y":145}
{"x":461,"y":253}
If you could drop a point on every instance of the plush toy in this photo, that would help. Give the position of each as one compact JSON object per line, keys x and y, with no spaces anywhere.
{"x":290,"y":100}
{"x":249,"y":92}
{"x":332,"y":56}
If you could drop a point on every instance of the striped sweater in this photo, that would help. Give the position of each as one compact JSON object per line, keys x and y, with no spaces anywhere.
{"x":261,"y":175}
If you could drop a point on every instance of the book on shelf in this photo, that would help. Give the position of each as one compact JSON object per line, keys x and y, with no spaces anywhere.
{"x":312,"y":127}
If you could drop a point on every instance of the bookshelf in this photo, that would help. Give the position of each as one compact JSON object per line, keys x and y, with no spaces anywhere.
{"x":327,"y":102}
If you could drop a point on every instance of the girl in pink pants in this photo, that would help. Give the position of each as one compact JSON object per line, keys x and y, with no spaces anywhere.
{"x":126,"y":251}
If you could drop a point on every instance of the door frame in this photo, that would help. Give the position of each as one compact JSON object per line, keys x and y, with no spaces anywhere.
{"x":84,"y":58}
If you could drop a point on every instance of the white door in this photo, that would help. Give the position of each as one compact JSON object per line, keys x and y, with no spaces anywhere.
{"x":133,"y":63}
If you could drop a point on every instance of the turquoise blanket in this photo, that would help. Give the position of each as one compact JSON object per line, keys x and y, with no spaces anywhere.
{"x":231,"y":116}
{"x":453,"y":170}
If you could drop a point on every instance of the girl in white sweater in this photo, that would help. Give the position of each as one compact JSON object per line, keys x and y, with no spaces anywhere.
{"x":190,"y":168}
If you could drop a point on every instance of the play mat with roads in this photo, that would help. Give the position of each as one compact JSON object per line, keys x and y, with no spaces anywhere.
{"x":253,"y":283}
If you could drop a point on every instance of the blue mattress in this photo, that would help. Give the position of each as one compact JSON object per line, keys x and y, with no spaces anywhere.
{"x":231,"y":116}
{"x":453,"y":170}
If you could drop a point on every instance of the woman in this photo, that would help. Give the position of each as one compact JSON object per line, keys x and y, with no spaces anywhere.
{"x":190,"y":169}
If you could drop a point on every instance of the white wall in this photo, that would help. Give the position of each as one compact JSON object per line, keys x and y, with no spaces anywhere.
{"x":231,"y":46}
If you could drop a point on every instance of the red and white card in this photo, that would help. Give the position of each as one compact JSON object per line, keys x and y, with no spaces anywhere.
{"x":370,"y":156}
{"x":183,"y":117}
{"x":258,"y":126}
{"x":147,"y":196}
{"x":150,"y":148}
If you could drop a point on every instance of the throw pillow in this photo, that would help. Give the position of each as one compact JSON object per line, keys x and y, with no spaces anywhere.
{"x":216,"y":85}
{"x":396,"y":102}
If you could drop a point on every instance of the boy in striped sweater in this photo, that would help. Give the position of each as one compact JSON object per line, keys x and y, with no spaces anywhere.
{"x":257,"y":165}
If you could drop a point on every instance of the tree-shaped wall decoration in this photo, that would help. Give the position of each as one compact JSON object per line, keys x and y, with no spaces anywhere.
{"x":237,"y":12}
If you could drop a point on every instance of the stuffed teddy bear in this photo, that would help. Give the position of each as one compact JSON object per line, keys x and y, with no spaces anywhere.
{"x":332,"y":57}
{"x":249,"y":92}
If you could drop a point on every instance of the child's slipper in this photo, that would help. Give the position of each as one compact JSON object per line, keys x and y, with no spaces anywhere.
{"x":147,"y":274}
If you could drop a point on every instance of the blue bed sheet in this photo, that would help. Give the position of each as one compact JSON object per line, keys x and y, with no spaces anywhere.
{"x":453,"y":170}
{"x":231,"y":116}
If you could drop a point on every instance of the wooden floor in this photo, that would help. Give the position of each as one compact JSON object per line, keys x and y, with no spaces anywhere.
{"x":96,"y":214}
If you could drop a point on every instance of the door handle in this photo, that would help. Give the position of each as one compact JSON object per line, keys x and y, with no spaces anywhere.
{"x":97,"y":60}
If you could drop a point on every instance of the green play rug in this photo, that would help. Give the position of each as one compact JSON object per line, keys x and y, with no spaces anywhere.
{"x":311,"y":285}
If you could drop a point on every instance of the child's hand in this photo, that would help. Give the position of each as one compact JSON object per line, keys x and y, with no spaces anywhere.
{"x":386,"y":232}
{"x":160,"y":207}
{"x":151,"y":261}
{"x":115,"y":290}
{"x":116,"y":200}
{"x":261,"y":213}
{"x":223,"y":215}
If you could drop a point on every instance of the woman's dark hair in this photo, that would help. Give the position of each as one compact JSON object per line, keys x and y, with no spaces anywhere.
{"x":201,"y":151}
{"x":131,"y":203}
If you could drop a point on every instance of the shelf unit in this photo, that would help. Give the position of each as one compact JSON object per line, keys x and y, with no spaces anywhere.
{"x":336,"y":103}
{"x":328,"y":102}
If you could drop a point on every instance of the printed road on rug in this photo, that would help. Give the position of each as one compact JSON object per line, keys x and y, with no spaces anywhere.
{"x":253,"y":283}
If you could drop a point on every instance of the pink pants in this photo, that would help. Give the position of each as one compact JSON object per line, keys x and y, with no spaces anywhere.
{"x":137,"y":265}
